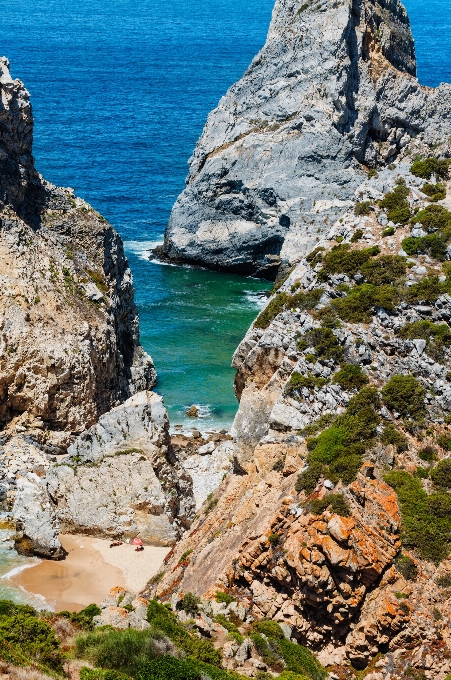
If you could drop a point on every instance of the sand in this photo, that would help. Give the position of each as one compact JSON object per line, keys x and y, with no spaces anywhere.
{"x":89,"y":571}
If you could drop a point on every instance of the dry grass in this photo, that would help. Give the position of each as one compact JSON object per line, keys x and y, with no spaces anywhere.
{"x":20,"y":673}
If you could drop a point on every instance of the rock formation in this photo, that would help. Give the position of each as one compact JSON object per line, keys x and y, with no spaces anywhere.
{"x":332,"y":92}
{"x":326,"y":524}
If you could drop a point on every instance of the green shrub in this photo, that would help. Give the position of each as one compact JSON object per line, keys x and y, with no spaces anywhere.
{"x":269,"y":628}
{"x":362,"y":208}
{"x":444,"y":581}
{"x":434,"y":217}
{"x":384,"y":269}
{"x":407,"y":567}
{"x":227,"y":624}
{"x":123,"y":650}
{"x":373,"y":173}
{"x":274,"y":540}
{"x":165,"y":621}
{"x":430,"y":166}
{"x":342,"y":259}
{"x":298,"y":381}
{"x":390,"y":435}
{"x":359,"y":304}
{"x":405,"y":395}
{"x":336,"y":502}
{"x":444,"y":440}
{"x":269,"y":650}
{"x":189,"y":603}
{"x":308,"y":479}
{"x":422,"y":528}
{"x":283,"y":301}
{"x":345,"y":468}
{"x":101,"y":674}
{"x":26,"y":639}
{"x":323,"y":421}
{"x":425,"y":291}
{"x":422,"y":473}
{"x":224,"y":597}
{"x":441,"y":474}
{"x":436,"y":192}
{"x":300,"y":660}
{"x":315,"y":256}
{"x":428,"y":454}
{"x":325,"y":343}
{"x":389,"y":231}
{"x":436,"y":335}
{"x":169,"y":668}
{"x":357,"y":235}
{"x":432,"y":244}
{"x":350,"y":377}
{"x":397,"y":205}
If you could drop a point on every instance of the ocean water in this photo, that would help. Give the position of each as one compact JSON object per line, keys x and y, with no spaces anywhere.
{"x":121,"y":91}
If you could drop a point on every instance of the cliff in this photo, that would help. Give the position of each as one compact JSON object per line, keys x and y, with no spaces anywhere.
{"x":328,"y":524}
{"x":332,"y":92}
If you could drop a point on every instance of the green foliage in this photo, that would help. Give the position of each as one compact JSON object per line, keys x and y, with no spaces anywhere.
{"x":83,"y":618}
{"x":436,"y":220}
{"x":26,"y":639}
{"x":350,"y":377}
{"x":189,"y":603}
{"x":362,"y":208}
{"x":389,"y":231}
{"x":372,"y":172}
{"x":224,"y":597}
{"x":273,"y":540}
{"x":169,"y":668}
{"x":269,"y":650}
{"x":335,"y":502}
{"x":325,"y":343}
{"x":436,"y":335}
{"x":384,"y":269}
{"x":126,"y":651}
{"x":300,"y":660}
{"x":358,"y":305}
{"x":390,"y":435}
{"x":357,"y":235}
{"x":342,"y":259}
{"x":283,"y":301}
{"x":269,"y":628}
{"x":407,"y":567}
{"x":101,"y":674}
{"x":397,"y":205}
{"x":444,"y":440}
{"x":436,"y":192}
{"x":405,"y":395}
{"x":441,"y":474}
{"x":434,"y":217}
{"x":444,"y":581}
{"x":428,"y":454}
{"x":308,"y":479}
{"x":164,"y":620}
{"x":315,"y":256}
{"x":298,"y":381}
{"x":318,"y":425}
{"x":430,"y":166}
{"x":424,"y":525}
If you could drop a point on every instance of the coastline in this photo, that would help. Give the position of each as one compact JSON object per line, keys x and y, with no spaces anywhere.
{"x":89,"y":571}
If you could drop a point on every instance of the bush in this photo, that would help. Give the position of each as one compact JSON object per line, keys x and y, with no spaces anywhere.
{"x":283,"y":301}
{"x":436,"y":335}
{"x":350,"y":377}
{"x":384,"y":269}
{"x":430,"y":166}
{"x":428,"y":454}
{"x":422,"y":528}
{"x":407,"y":567}
{"x":358,"y":305}
{"x":336,"y":502}
{"x":169,"y":668}
{"x":397,"y":205}
{"x":444,"y":581}
{"x":298,"y":382}
{"x":126,"y":650}
{"x":342,"y":259}
{"x":224,"y":597}
{"x":444,"y":440}
{"x":362,"y":208}
{"x":357,"y":235}
{"x":425,"y":291}
{"x":432,"y":244}
{"x":269,"y":628}
{"x":389,"y":231}
{"x":436,"y":192}
{"x":189,"y":603}
{"x":325,"y":343}
{"x":390,"y":435}
{"x":308,"y":479}
{"x":441,"y":474}
{"x":405,"y":395}
{"x":27,"y":639}
{"x":434,"y":218}
{"x":300,"y":660}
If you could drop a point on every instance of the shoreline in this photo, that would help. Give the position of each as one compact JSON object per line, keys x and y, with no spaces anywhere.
{"x":89,"y":571}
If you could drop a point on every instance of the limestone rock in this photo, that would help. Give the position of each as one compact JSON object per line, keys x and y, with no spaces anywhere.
{"x":36,"y":524}
{"x":281,"y":156}
{"x":119,"y":479}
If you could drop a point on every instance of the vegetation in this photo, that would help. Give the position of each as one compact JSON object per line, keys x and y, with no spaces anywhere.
{"x":436,"y":220}
{"x":358,"y":305}
{"x":335,"y":501}
{"x":407,"y":567}
{"x":441,"y":474}
{"x":362,"y":208}
{"x":324,"y":342}
{"x":405,"y":395}
{"x":342,"y":259}
{"x":436,"y":192}
{"x":189,"y":603}
{"x":428,"y":454}
{"x":436,"y":335}
{"x":397,"y":205}
{"x":430,"y":166}
{"x":357,"y":235}
{"x":283,"y":301}
{"x":426,"y":520}
{"x":224,"y":597}
{"x":390,"y":435}
{"x":389,"y":231}
{"x":384,"y":269}
{"x":298,"y":382}
{"x":350,"y":377}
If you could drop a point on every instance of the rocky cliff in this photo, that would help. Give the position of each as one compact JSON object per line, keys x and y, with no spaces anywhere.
{"x":69,"y":330}
{"x":332,"y":92}
{"x":336,"y":520}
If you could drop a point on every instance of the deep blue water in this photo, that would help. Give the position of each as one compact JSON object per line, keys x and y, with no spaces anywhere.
{"x":121,"y":90}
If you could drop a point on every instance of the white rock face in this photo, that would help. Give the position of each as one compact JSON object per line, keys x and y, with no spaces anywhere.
{"x":333,"y":88}
{"x":35,"y":519}
{"x":207,"y":471}
{"x":118,"y":479}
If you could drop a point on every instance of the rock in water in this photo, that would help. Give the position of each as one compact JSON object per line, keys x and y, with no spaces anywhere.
{"x":193,"y":412}
{"x":70,"y":331}
{"x":333,"y":90}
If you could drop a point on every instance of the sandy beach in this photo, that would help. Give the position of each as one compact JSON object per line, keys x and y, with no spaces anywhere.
{"x":89,"y":571}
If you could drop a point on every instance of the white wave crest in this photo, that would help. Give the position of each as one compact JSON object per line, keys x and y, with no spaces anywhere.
{"x":17,"y":570}
{"x":141,"y":248}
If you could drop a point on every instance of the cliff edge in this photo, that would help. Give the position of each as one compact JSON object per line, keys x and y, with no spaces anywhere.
{"x":332,"y":93}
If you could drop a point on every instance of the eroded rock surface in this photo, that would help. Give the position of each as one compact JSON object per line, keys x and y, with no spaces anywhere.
{"x":332,"y":92}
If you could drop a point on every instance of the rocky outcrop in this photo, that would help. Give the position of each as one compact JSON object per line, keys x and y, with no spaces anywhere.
{"x":120,"y":478}
{"x":69,"y":330}
{"x":332,"y":92}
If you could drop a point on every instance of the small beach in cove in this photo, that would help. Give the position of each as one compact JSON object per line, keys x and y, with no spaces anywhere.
{"x":89,"y":571}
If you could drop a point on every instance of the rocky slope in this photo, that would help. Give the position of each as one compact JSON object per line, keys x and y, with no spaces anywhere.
{"x":336,"y":519}
{"x":332,"y":92}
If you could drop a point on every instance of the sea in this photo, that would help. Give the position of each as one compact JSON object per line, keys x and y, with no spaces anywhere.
{"x":120,"y":93}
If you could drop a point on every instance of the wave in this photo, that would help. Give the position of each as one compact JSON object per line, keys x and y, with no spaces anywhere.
{"x":257,"y":298}
{"x":17,"y":570}
{"x":141,"y":248}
